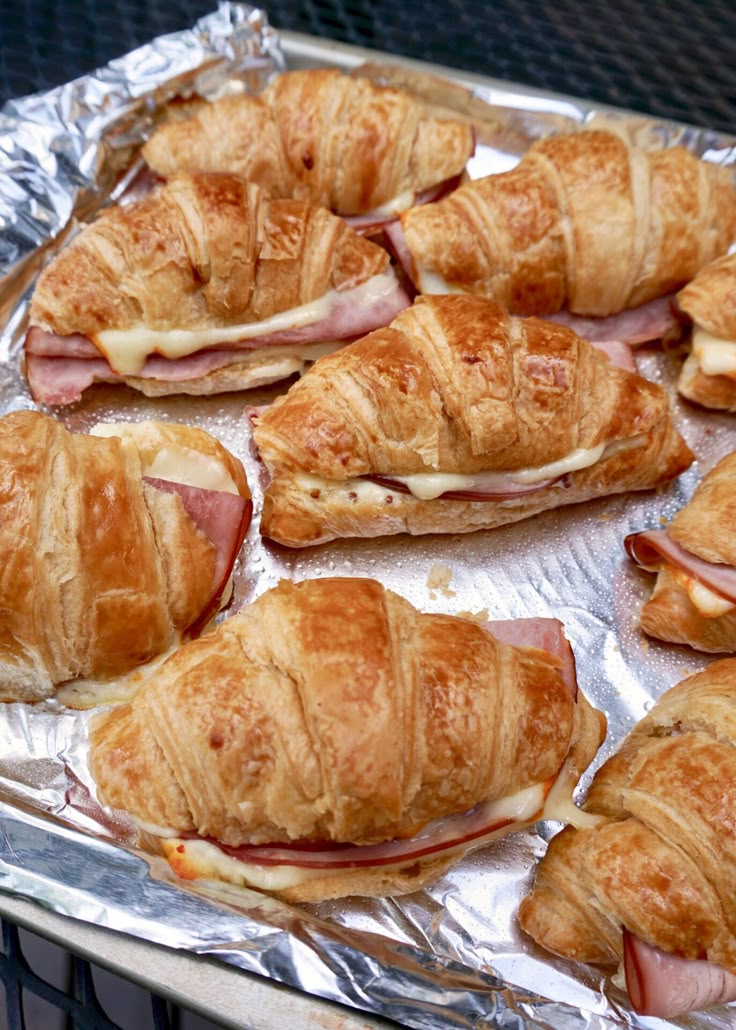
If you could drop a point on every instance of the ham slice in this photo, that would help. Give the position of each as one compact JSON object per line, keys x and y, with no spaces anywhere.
{"x":60,"y":368}
{"x":224,"y":518}
{"x":655,"y":546}
{"x":619,"y":353}
{"x":650,"y":321}
{"x":546,"y":634}
{"x":664,"y":985}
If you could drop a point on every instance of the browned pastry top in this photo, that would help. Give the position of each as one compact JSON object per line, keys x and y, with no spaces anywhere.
{"x":205,"y":250}
{"x":319,"y":136}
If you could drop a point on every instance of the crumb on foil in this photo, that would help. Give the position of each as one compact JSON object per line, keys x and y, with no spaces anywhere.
{"x":439,"y":578}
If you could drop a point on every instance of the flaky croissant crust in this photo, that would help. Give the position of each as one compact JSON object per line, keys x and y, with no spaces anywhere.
{"x":100,"y":571}
{"x":583,"y":219}
{"x":454,"y":384}
{"x":332,"y":709}
{"x":710,"y":299}
{"x":319,"y":136}
{"x":202,"y":251}
{"x":663,"y":861}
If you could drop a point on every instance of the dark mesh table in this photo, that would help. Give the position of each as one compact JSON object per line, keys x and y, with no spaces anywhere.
{"x":670,"y":59}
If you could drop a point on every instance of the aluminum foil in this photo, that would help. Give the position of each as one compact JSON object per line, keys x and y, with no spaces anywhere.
{"x":452,"y":955}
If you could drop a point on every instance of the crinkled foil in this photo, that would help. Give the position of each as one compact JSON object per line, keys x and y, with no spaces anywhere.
{"x":452,"y":955}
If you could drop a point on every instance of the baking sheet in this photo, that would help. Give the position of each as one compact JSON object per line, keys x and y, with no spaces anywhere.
{"x":451,"y":955}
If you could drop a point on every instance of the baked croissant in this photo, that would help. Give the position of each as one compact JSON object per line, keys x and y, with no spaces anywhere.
{"x":653,"y":883}
{"x":320,"y":136}
{"x":694,"y":598}
{"x":708,"y":376}
{"x":332,"y":711}
{"x":205,"y":285}
{"x":457,"y":417}
{"x":583,"y":220}
{"x":113,"y":547}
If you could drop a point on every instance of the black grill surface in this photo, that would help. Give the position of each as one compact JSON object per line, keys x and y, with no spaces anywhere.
{"x":669,"y":58}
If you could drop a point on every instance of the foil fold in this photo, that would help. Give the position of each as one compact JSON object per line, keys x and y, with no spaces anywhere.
{"x":449,"y":956}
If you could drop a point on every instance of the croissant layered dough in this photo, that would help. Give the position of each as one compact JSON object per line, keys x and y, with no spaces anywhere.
{"x":686,"y":606}
{"x":708,"y":376}
{"x":455,"y":386}
{"x":101,"y":569}
{"x":323,"y":137}
{"x":584,"y":220}
{"x":207,"y":267}
{"x":331,"y":710}
{"x":661,"y":863}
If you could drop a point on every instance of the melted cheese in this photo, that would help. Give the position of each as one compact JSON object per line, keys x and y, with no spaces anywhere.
{"x":709,"y":603}
{"x":127,"y":349}
{"x":428,"y":486}
{"x":715,"y":355}
{"x":521,"y":809}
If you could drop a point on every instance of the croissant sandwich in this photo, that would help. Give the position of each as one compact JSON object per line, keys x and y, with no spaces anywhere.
{"x":205,"y":285}
{"x":584,"y":221}
{"x":694,"y":598}
{"x":323,"y":137}
{"x":331,"y":740}
{"x":708,"y":376}
{"x":457,"y":417}
{"x":114,"y":546}
{"x":652,"y":884}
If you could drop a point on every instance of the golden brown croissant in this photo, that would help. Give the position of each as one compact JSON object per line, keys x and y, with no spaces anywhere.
{"x":694,"y":599}
{"x":708,"y":376}
{"x":320,"y":136}
{"x":660,"y":865}
{"x":112,"y":547}
{"x":583,"y":219}
{"x":332,"y":711}
{"x":457,"y":417}
{"x":207,"y":284}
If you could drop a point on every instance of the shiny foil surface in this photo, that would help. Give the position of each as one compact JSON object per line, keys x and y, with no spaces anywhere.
{"x":452,"y":955}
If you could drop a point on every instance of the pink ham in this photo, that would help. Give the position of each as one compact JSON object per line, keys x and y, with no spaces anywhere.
{"x":84,"y":363}
{"x":668,"y":986}
{"x":224,"y":519}
{"x":619,"y":353}
{"x":546,"y":634}
{"x":63,"y":380}
{"x":650,"y":321}
{"x":655,"y":546}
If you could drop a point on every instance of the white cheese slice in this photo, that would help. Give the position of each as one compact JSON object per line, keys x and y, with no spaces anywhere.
{"x":127,"y":349}
{"x":394,"y":206}
{"x":715,"y":355}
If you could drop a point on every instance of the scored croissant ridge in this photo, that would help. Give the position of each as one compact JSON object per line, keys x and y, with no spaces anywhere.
{"x":584,"y":220}
{"x":205,"y":285}
{"x":113,"y":546}
{"x":653,"y":883}
{"x":708,"y":376}
{"x":694,"y":598}
{"x":333,"y":711}
{"x":320,"y":136}
{"x":457,"y":417}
